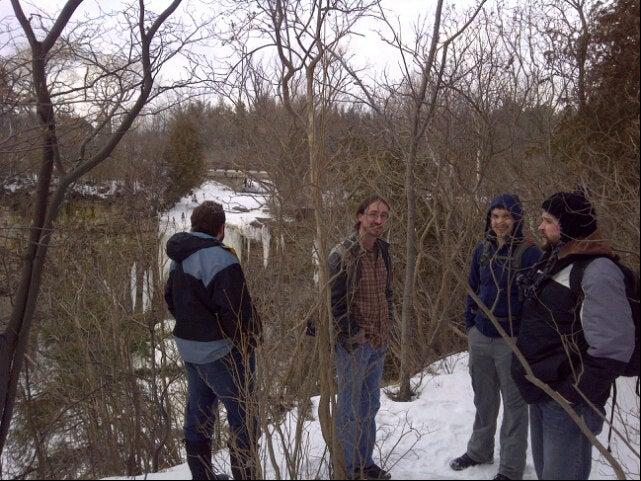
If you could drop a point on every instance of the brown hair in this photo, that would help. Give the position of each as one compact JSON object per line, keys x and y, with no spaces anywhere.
{"x":365,"y":204}
{"x":208,"y":218}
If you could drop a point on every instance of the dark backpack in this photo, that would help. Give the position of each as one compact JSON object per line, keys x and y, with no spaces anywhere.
{"x":633,"y":293}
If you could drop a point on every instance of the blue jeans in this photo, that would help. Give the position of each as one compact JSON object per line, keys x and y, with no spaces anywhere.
{"x":231,"y":381}
{"x":359,"y":374}
{"x":559,"y":448}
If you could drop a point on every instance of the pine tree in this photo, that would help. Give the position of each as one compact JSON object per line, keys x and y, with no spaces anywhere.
{"x":184,"y":157}
{"x":612,"y":115}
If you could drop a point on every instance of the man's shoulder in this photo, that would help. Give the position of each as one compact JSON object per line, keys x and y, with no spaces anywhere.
{"x":590,"y":272}
{"x":344,"y":247}
{"x":208,"y":262}
{"x":602,"y":269}
{"x":480,"y":246}
{"x":218,"y":254}
{"x":337,"y":251}
{"x":230,"y":250}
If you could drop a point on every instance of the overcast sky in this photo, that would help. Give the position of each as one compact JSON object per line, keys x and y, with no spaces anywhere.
{"x":368,"y":53}
{"x":367,"y":48}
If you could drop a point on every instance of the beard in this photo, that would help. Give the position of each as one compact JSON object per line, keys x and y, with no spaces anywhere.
{"x":375,"y":231}
{"x":546,"y":245}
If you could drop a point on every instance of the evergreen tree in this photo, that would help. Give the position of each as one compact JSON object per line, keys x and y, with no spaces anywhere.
{"x":603,"y":134}
{"x":184,"y":158}
{"x":613,"y":82}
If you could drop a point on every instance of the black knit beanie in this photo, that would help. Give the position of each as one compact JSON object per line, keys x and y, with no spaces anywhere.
{"x":574,"y":212}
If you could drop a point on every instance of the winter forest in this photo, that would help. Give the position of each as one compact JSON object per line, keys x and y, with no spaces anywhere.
{"x":118,"y":118}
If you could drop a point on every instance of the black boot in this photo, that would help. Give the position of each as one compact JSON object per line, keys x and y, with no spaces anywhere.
{"x":199,"y":461}
{"x":463,"y":462}
{"x":242,"y":464}
{"x":376,"y":472}
{"x":501,"y":477}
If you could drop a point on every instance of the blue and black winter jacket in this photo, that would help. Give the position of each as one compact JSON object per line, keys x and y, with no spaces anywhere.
{"x":494,"y":271}
{"x":207,"y":293}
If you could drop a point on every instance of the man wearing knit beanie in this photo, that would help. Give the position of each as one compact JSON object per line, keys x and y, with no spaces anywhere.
{"x":577,"y":334}
{"x":575,"y":214}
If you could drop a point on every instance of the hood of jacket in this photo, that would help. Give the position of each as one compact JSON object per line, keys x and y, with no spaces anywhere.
{"x":180,"y":246}
{"x":512,"y":204}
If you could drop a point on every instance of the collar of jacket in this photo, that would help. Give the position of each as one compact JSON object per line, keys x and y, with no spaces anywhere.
{"x":593,"y":245}
{"x":356,"y":249}
{"x":491,"y":245}
{"x":512,"y":240}
{"x":567,"y":253}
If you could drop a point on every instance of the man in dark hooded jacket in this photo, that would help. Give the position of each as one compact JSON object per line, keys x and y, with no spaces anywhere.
{"x":577,"y":334}
{"x":497,"y":261}
{"x":216,"y":331}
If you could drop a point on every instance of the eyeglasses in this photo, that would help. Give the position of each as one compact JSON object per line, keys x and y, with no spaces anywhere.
{"x":381,"y":215}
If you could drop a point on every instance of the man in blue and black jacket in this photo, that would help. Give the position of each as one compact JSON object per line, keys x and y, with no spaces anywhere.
{"x":498,"y":260}
{"x":216,"y":332}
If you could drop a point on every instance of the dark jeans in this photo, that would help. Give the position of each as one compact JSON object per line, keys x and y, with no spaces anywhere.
{"x":231,"y":381}
{"x":559,"y":448}
{"x":359,"y":374}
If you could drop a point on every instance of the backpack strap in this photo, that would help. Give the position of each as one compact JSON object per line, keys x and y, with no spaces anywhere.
{"x":517,"y":256}
{"x":486,"y":253}
{"x":576,"y":276}
{"x":614,"y":403}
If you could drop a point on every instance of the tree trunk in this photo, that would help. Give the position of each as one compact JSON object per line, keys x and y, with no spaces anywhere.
{"x":325,"y":331}
{"x":13,"y":342}
{"x":405,"y":389}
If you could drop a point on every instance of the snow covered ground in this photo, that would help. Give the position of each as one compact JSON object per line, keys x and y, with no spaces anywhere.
{"x":417,"y":440}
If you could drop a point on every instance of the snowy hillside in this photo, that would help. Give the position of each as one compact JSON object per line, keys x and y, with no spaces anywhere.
{"x":417,"y":440}
{"x":242,"y":210}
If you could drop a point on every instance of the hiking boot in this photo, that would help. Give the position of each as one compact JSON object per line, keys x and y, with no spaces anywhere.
{"x":243,"y":464}
{"x":376,"y":472}
{"x":463,"y":462}
{"x":199,"y":461}
{"x":501,"y":476}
